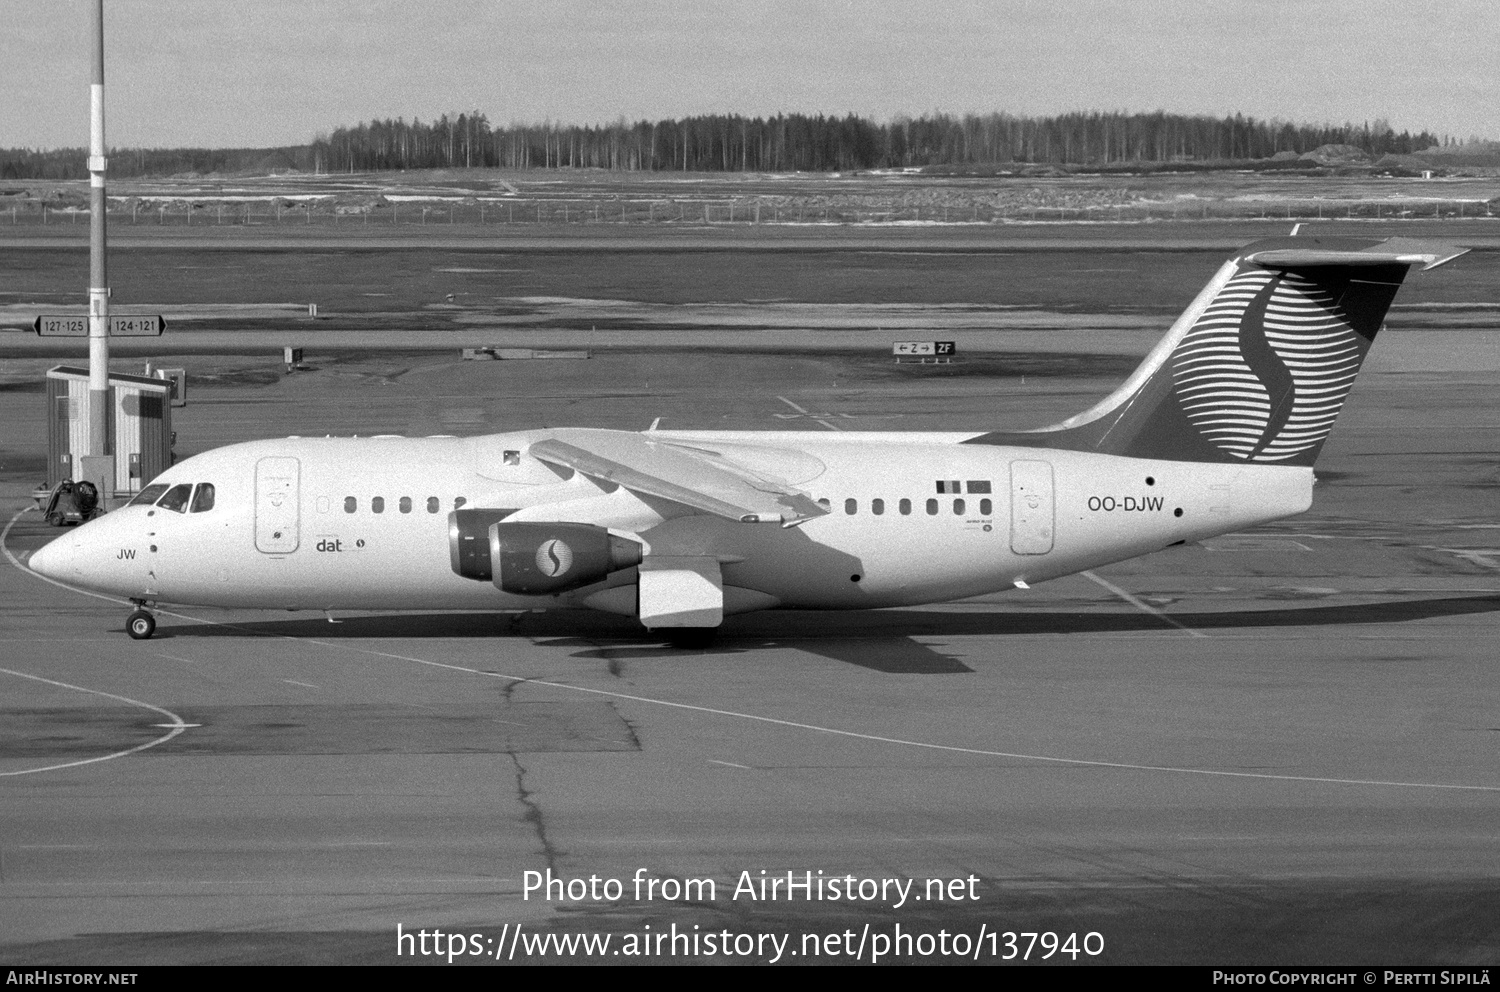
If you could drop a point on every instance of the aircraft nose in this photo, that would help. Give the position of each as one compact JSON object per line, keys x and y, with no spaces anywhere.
{"x":56,"y":560}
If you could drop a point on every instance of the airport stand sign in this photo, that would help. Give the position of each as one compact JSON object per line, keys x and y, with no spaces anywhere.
{"x":924,"y":349}
{"x":143,"y":325}
{"x":941,"y":352}
{"x":121,"y":325}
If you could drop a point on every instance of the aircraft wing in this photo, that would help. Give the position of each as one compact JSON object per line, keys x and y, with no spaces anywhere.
{"x":695,"y":477}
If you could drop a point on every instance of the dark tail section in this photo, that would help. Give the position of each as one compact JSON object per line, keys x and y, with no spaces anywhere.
{"x":1258,"y":367}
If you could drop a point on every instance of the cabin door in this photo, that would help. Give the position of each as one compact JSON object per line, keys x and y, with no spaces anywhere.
{"x":1031,"y":507}
{"x":277,"y":506}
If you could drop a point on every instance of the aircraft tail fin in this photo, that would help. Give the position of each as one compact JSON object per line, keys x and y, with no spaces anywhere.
{"x":1259,"y":365}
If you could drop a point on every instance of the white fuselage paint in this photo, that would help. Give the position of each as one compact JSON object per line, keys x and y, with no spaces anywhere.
{"x":1104,"y":510}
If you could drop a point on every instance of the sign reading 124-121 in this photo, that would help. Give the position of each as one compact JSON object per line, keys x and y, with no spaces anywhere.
{"x":121,"y":325}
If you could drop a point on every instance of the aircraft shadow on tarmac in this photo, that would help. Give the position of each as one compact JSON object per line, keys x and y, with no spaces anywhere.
{"x":879,"y":640}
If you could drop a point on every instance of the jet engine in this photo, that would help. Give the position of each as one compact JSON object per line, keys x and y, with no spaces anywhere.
{"x":536,"y":559}
{"x":469,"y":541}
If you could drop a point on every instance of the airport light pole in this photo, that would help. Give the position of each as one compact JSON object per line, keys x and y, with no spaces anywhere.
{"x":98,"y":437}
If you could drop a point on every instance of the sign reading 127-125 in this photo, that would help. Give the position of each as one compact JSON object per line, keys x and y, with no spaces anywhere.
{"x":121,"y":325}
{"x":927,"y":349}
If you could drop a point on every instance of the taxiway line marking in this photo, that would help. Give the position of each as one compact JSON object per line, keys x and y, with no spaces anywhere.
{"x":1140,"y":605}
{"x":177,"y":725}
{"x":927,"y":745}
{"x":1483,"y":557}
{"x":777,"y":721}
{"x":729,"y":764}
{"x":856,"y":735}
{"x":305,"y":685}
{"x":832,"y":427}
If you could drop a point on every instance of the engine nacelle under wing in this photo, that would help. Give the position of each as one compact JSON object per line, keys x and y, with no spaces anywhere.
{"x":469,"y":541}
{"x":538,"y":559}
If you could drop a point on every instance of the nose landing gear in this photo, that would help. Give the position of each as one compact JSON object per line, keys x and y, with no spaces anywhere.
{"x":141,"y":623}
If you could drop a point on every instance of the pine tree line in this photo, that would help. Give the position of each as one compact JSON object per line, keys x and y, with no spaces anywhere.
{"x":733,"y":143}
{"x":788,"y":142}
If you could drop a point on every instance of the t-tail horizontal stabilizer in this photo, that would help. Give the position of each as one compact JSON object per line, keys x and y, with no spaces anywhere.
{"x":1258,"y":367}
{"x":1399,"y":251}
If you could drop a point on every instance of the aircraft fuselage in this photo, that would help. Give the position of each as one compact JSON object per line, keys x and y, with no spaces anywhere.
{"x":364,"y":523}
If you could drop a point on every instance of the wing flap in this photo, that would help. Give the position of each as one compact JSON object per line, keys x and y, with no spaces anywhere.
{"x":699,"y":480}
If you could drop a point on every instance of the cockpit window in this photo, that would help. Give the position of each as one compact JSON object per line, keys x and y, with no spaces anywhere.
{"x":149,"y":495}
{"x":203,"y":497}
{"x":176,"y":498}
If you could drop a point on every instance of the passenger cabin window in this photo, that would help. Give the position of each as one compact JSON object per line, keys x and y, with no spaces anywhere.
{"x":405,"y":505}
{"x":877,"y":506}
{"x":458,"y":501}
{"x":350,"y":504}
{"x":932,"y":508}
{"x":432,"y":504}
{"x":958,"y":507}
{"x":905,"y":507}
{"x":176,"y":498}
{"x":377,"y":504}
{"x":149,"y":495}
{"x":985,"y":506}
{"x":851,"y":506}
{"x":512,"y":458}
{"x":203,"y":497}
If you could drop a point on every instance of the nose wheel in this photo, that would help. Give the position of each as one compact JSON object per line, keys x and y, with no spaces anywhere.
{"x":140,"y":625}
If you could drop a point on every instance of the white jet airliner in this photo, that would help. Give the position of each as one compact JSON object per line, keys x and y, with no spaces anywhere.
{"x":1217,"y":430}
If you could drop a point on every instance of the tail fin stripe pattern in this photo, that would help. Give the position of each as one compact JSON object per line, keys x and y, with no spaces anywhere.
{"x":1259,"y":365}
{"x":1212,"y":375}
{"x":1305,"y":357}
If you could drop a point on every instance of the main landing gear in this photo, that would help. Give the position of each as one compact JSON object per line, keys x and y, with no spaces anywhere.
{"x":141,"y":623}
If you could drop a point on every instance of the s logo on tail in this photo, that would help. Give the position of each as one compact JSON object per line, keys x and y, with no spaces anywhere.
{"x":1259,"y":365}
{"x":1263,"y":373}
